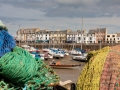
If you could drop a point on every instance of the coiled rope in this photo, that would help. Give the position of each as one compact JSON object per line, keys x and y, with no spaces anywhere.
{"x":7,"y":42}
{"x":19,"y":66}
{"x":22,"y":69}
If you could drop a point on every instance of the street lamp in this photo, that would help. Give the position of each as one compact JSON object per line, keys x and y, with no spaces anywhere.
{"x":99,"y":37}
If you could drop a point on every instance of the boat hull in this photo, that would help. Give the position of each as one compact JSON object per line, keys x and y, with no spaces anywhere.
{"x":65,"y":66}
{"x":80,"y":59}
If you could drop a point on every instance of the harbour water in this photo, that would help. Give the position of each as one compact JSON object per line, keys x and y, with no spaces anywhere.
{"x":67,"y":74}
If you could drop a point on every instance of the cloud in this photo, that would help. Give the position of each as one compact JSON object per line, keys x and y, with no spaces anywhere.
{"x":70,"y":8}
{"x":60,"y":13}
{"x":72,"y":2}
{"x":14,"y":14}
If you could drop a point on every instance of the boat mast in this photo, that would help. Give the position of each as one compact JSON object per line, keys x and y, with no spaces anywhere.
{"x":81,"y":32}
{"x":42,"y":39}
{"x":19,"y":35}
{"x":53,"y":38}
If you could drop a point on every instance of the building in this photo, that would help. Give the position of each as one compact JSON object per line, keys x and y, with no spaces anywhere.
{"x":97,"y":35}
{"x":81,"y":36}
{"x":91,"y":36}
{"x":71,"y":37}
{"x":118,"y":38}
{"x":27,"y":35}
{"x":111,"y":38}
{"x":42,"y":36}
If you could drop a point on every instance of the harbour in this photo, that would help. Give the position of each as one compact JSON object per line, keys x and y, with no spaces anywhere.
{"x":59,"y":45}
{"x":67,"y":74}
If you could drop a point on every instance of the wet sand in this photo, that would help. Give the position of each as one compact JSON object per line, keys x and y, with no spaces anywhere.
{"x":67,"y":74}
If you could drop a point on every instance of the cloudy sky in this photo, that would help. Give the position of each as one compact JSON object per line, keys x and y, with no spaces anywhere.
{"x":62,"y":14}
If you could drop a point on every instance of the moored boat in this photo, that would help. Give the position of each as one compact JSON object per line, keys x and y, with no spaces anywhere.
{"x":65,"y":66}
{"x":82,"y":57}
{"x":48,"y":56}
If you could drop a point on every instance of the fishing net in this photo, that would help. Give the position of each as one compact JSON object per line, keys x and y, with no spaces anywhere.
{"x":20,"y":68}
{"x":7,"y":42}
{"x":102,"y":72}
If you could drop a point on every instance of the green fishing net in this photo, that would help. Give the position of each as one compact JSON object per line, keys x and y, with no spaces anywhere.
{"x":19,"y":69}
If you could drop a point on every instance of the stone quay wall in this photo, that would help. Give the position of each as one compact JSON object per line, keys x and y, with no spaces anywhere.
{"x":70,"y":46}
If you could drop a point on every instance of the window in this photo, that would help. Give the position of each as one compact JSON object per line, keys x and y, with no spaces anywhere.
{"x":90,"y":38}
{"x":37,"y":38}
{"x":108,"y":35}
{"x":113,"y":35}
{"x":79,"y":38}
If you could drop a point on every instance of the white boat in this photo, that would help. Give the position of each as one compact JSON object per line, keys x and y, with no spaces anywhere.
{"x":82,"y":57}
{"x":33,"y":51}
{"x":45,"y":50}
{"x":63,"y":52}
{"x":66,"y":54}
{"x":75,"y":52}
{"x":48,"y":56}
{"x":56,"y":54}
{"x":42,"y":56}
{"x":29,"y":48}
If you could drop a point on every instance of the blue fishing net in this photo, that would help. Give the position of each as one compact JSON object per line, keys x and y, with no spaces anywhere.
{"x":7,"y":42}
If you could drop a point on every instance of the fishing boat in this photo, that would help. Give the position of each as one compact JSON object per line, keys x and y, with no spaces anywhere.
{"x":56,"y":53}
{"x":48,"y":56}
{"x":75,"y":52}
{"x":82,"y":57}
{"x":33,"y":51}
{"x":65,"y":66}
{"x":29,"y":48}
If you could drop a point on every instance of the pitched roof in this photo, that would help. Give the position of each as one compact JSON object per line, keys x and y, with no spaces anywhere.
{"x":101,"y":30}
{"x":92,"y":31}
{"x":118,"y":34}
{"x":72,"y":33}
{"x":81,"y":31}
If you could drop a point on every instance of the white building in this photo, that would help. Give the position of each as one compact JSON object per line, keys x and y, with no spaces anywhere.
{"x":81,"y":36}
{"x":42,"y":36}
{"x":91,"y":38}
{"x":71,"y":37}
{"x":111,"y":38}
